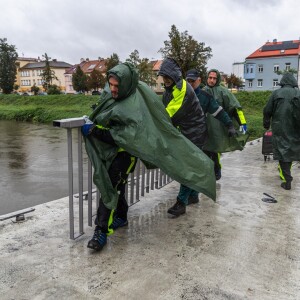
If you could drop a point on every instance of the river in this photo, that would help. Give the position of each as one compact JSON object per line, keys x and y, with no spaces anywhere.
{"x":33,"y":164}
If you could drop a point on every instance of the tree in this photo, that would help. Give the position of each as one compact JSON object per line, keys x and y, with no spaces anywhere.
{"x":8,"y":69}
{"x":233,"y":81}
{"x":282,"y":72}
{"x":188,"y":53}
{"x":96,"y":80}
{"x":143,"y":66}
{"x":79,"y":80}
{"x":53,"y":89}
{"x":34,"y":89}
{"x":48,"y":75}
{"x":112,"y":61}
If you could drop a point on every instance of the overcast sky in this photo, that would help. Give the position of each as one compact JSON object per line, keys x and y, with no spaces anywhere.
{"x":72,"y":29}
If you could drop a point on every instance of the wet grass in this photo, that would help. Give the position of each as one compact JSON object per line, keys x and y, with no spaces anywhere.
{"x":45,"y":109}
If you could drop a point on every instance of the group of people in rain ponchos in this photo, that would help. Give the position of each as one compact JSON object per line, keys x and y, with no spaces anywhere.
{"x":134,"y":121}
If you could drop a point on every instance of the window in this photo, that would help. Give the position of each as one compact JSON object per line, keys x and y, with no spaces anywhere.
{"x":91,"y":67}
{"x":276,"y":68}
{"x":40,"y":82}
{"x":251,"y":69}
{"x":39,"y":72}
{"x":250,"y":83}
{"x":25,"y":74}
{"x":275,"y":83}
{"x":259,"y":82}
{"x":287,"y":66}
{"x":33,"y":74}
{"x":260,"y":68}
{"x":26,"y":82}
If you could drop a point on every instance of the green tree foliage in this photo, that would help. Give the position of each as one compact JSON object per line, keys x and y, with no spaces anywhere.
{"x":79,"y":81}
{"x":48,"y":75}
{"x":96,"y":80}
{"x":233,"y":81}
{"x":112,"y":61}
{"x":282,"y":72}
{"x":53,"y":89}
{"x":144,"y":68}
{"x":8,"y":69}
{"x":188,"y":53}
{"x":34,"y":89}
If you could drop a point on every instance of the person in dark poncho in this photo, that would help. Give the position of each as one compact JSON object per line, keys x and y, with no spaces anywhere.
{"x":187,"y":116}
{"x":282,"y":114}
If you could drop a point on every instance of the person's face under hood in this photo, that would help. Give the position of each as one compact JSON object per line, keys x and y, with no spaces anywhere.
{"x":213,"y":78}
{"x":123,"y":80}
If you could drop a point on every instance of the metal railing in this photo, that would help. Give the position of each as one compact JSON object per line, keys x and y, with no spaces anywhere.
{"x":141,"y":181}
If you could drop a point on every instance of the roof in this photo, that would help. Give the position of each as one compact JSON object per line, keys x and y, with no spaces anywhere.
{"x":42,"y":64}
{"x":156,"y":64}
{"x":87,"y":66}
{"x":277,"y":49}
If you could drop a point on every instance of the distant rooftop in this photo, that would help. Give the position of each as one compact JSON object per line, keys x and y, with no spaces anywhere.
{"x":41,"y":64}
{"x":275,"y":48}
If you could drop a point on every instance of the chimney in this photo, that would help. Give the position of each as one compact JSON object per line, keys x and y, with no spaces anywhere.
{"x":275,"y":41}
{"x":87,"y":59}
{"x":81,"y":60}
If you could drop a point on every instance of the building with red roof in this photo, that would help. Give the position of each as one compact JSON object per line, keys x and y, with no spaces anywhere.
{"x":261,"y":67}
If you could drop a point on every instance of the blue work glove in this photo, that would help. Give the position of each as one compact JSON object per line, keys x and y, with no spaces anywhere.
{"x":244,"y":128}
{"x":86,"y":129}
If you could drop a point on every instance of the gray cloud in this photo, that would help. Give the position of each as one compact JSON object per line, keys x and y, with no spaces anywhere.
{"x":69,"y":30}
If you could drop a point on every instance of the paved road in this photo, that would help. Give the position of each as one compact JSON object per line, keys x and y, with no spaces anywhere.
{"x":237,"y":248}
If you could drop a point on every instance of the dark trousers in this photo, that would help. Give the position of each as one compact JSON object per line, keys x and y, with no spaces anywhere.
{"x":286,"y":170}
{"x":215,"y":158}
{"x":118,"y":172}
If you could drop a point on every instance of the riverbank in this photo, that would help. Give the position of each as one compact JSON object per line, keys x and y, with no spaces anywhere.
{"x":45,"y":109}
{"x":237,"y":248}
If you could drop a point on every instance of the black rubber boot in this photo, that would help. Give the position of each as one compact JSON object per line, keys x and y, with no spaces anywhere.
{"x":286,"y":185}
{"x":177,"y":209}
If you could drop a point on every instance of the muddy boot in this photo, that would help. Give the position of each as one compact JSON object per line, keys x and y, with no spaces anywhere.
{"x":177,"y":209}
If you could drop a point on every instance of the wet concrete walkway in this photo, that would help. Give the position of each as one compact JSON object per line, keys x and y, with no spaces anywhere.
{"x":237,"y":248}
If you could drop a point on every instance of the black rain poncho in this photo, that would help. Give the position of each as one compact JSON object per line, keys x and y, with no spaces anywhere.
{"x":139,"y":124}
{"x":283,"y":109}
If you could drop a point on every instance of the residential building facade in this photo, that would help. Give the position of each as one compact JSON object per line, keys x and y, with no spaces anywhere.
{"x":87,"y":66}
{"x":30,"y":74}
{"x":261,"y":66}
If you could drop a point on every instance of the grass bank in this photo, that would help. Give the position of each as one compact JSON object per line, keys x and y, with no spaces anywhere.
{"x":45,"y":109}
{"x":253,"y":104}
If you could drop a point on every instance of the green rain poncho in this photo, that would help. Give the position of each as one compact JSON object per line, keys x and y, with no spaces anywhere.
{"x":139,"y":123}
{"x":218,"y":139}
{"x":283,"y":109}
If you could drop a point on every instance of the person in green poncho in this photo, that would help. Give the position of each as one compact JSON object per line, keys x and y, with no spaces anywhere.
{"x":130,"y":121}
{"x":282,"y":113}
{"x":218,"y":142}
